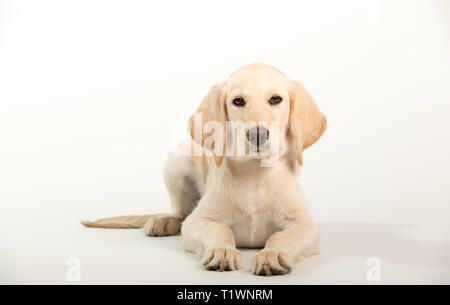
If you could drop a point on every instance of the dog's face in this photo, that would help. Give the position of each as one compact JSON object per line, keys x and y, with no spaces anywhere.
{"x":260,"y":113}
{"x":257,"y":105}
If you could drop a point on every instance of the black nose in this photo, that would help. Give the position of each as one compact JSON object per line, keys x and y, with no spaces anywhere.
{"x":258,"y":135}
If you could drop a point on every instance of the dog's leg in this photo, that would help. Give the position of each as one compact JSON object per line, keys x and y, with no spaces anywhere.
{"x":300,"y":238}
{"x":180,"y":180}
{"x":211,"y":239}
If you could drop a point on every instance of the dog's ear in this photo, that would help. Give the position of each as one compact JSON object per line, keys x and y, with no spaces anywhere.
{"x":213,"y":113}
{"x":307,"y":123}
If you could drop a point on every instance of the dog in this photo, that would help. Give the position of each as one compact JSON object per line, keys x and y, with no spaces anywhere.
{"x":222,"y":201}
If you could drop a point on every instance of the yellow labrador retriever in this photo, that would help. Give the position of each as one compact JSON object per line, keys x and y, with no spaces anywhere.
{"x":222,"y":200}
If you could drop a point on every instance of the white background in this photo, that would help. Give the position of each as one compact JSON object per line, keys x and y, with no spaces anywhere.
{"x":93,"y":94}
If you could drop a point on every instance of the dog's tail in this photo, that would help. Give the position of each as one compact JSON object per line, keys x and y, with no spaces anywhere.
{"x":121,"y":222}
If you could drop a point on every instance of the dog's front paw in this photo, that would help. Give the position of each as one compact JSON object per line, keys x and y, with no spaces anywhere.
{"x":222,"y":259}
{"x":271,"y":262}
{"x":162,"y":225}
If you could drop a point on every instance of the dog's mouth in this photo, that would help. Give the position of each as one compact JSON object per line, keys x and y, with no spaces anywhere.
{"x":259,"y":150}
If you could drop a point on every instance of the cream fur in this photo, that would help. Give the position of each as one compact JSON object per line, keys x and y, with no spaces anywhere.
{"x":221,"y":203}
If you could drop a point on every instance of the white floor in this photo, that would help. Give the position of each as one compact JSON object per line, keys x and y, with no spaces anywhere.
{"x":36,"y":251}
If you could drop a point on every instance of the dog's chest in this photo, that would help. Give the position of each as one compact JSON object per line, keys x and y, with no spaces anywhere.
{"x":253,"y":230}
{"x":255,"y":205}
{"x":255,"y":219}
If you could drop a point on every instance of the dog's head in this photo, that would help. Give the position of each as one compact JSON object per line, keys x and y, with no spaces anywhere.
{"x":257,"y":112}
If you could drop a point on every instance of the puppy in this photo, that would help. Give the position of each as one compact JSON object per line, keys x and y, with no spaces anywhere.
{"x":223,"y":200}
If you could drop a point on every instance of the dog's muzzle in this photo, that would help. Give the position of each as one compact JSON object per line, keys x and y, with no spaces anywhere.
{"x":258,"y":135}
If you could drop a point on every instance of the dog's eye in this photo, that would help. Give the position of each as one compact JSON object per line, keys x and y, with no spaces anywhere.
{"x":239,"y":101}
{"x":275,"y":100}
